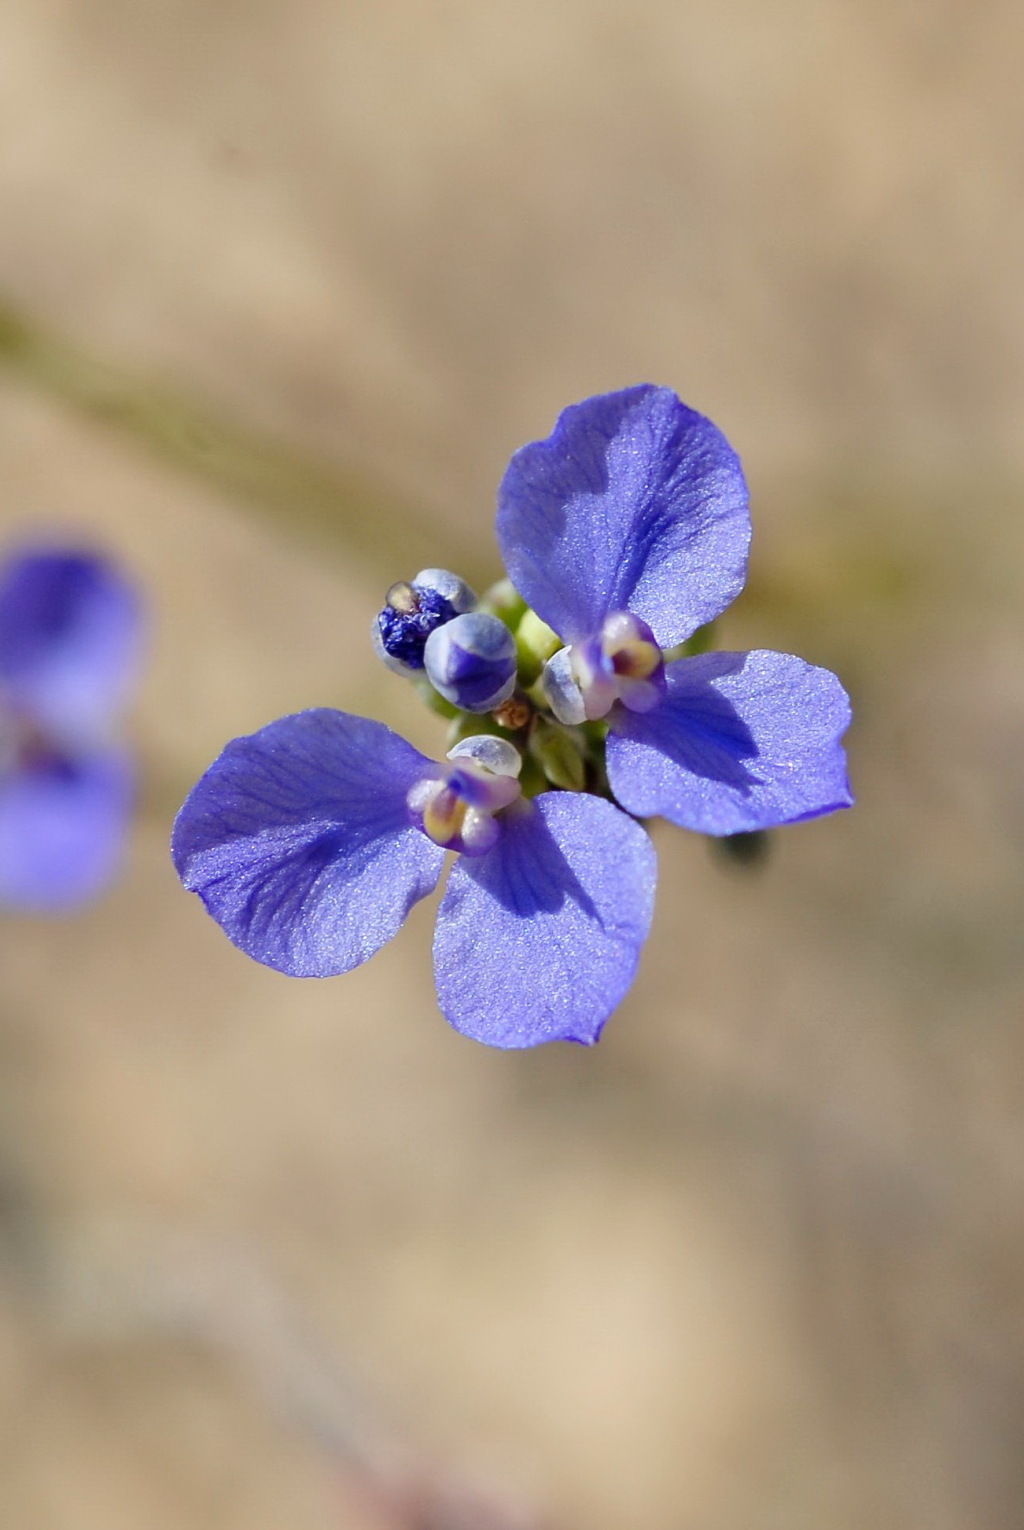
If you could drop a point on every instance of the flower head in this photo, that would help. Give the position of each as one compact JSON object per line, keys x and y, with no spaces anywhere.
{"x":623,"y":533}
{"x":69,"y":650}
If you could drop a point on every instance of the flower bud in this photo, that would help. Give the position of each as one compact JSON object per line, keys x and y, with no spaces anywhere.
{"x":471,"y":661}
{"x":440,"y":581}
{"x":412,"y":611}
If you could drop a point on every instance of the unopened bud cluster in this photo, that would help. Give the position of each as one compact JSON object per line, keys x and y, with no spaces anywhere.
{"x":501,"y":676}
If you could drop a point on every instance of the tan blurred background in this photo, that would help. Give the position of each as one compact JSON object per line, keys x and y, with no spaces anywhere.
{"x":282,"y":284}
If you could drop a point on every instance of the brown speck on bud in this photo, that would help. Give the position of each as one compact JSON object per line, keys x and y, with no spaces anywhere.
{"x":403,"y":598}
{"x":513,"y":714}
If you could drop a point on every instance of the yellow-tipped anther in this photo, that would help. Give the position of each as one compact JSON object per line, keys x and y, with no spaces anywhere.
{"x":635,"y":659}
{"x":443,"y":816}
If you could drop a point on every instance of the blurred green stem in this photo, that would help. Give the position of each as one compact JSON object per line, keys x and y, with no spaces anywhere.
{"x":298,"y":492}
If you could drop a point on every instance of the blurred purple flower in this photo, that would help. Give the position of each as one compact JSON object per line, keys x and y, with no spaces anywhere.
{"x":69,"y":649}
{"x":625,"y":531}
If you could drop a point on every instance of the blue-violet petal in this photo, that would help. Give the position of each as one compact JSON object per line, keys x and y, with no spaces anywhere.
{"x":742,"y":741}
{"x":538,"y":940}
{"x":634,"y":503}
{"x":299,"y":841}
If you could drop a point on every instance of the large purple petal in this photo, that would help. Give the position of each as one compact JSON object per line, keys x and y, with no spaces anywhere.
{"x":62,"y":829}
{"x":538,"y":940}
{"x":299,"y":841}
{"x":742,"y":741}
{"x":634,"y":503}
{"x":70,"y":637}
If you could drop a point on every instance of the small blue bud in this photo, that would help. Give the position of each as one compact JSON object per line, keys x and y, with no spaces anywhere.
{"x":471,"y":661}
{"x":412,"y":611}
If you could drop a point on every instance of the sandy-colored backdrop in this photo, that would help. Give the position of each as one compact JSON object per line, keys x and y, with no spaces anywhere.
{"x":282,"y":283}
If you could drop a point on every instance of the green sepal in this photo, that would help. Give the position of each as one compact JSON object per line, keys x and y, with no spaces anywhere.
{"x":535,"y":643}
{"x":504,"y":601}
{"x":433,"y":699}
{"x":561,"y":753}
{"x":532,"y":779}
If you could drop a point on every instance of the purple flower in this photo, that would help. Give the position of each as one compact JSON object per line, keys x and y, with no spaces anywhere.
{"x":625,"y":531}
{"x":310,"y":841}
{"x":69,"y":649}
